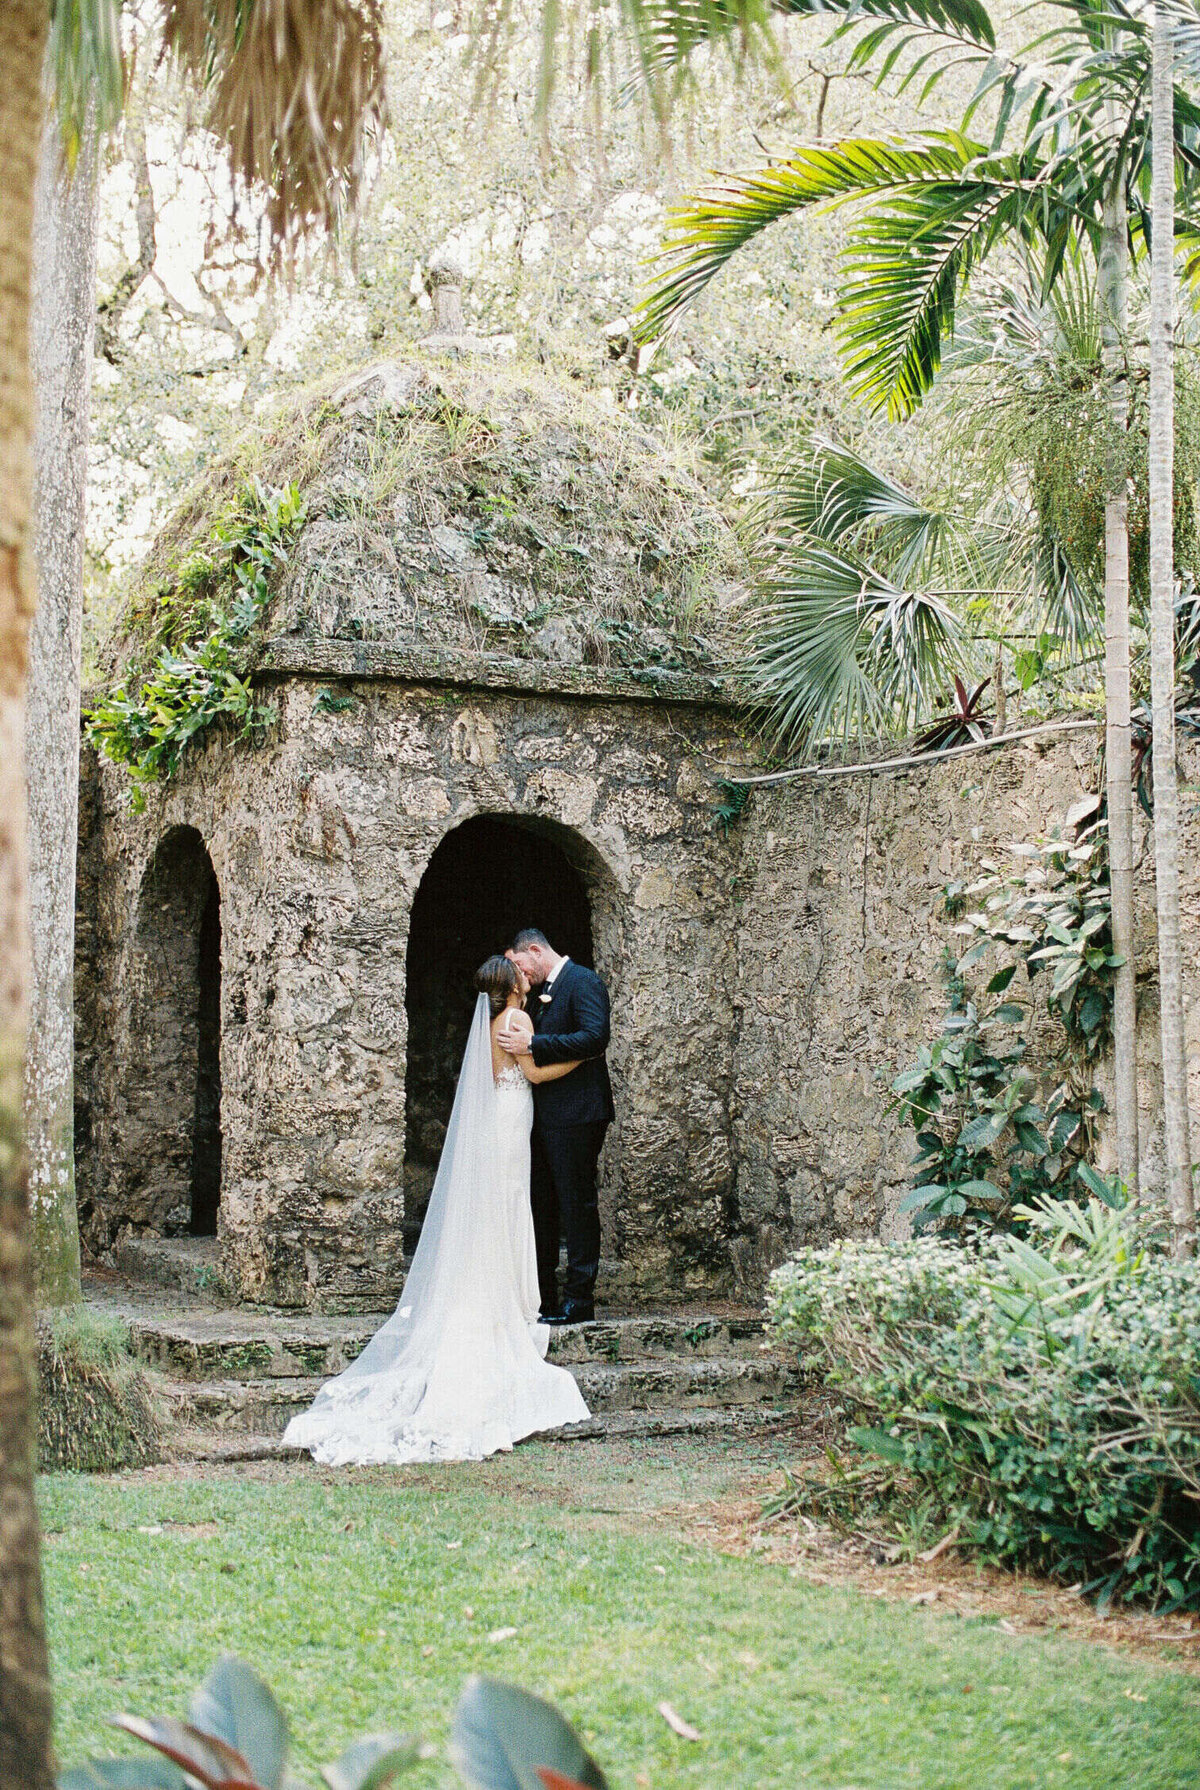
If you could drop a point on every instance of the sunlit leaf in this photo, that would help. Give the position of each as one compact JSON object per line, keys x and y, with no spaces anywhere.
{"x":373,"y":1762}
{"x":237,"y":1707}
{"x":501,"y":1735}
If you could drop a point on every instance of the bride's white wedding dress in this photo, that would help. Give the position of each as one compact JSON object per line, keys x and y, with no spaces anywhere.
{"x":458,"y":1371}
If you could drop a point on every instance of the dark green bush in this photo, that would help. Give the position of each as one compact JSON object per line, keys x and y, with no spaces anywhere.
{"x":1044,"y":1401}
{"x":96,"y":1412}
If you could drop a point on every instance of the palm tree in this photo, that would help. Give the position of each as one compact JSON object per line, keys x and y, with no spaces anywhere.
{"x":931,"y":211}
{"x":291,"y":91}
{"x":856,"y":621}
{"x":1162,"y":642}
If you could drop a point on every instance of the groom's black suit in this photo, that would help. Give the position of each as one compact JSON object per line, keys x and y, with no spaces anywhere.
{"x":571,"y":1116}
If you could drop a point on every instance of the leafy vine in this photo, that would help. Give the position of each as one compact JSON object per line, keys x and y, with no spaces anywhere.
{"x":201,"y":659}
{"x":985,"y":1142}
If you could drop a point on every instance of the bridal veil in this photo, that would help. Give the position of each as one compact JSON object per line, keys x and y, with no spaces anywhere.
{"x":457,"y":1372}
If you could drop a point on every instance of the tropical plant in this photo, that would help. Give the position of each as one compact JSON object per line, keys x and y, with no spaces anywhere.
{"x":988,"y":1142}
{"x":1095,"y":1236}
{"x":236,"y":1738}
{"x":842,"y":633}
{"x":1054,"y":916}
{"x":965,"y":723}
{"x":868,"y":596}
{"x":930,"y":212}
{"x":979,"y":1131}
{"x":985,"y":1143}
{"x":200,"y":674}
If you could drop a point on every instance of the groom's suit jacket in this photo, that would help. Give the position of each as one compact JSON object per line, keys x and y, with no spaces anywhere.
{"x":573,"y":1023}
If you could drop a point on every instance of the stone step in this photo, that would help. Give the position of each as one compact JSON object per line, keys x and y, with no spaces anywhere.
{"x":229,"y":1446}
{"x":721,"y":1383}
{"x":188,"y":1264}
{"x":193,"y":1266}
{"x":236,"y":1345}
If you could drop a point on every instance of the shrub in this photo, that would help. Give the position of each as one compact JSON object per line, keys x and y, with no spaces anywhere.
{"x":95,"y":1410}
{"x":1042,"y":1398}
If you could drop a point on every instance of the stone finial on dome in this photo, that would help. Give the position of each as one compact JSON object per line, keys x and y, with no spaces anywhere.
{"x":446,"y":277}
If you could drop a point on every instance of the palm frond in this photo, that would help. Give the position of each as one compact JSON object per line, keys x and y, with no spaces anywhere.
{"x":293,"y":89}
{"x":912,"y":258}
{"x":86,"y":68}
{"x":909,"y":260}
{"x":1025,"y":325}
{"x":705,"y":232}
{"x":839,"y":640}
{"x":837,"y":649}
{"x":942,"y":204}
{"x":835,"y":495}
{"x":1025,"y":369}
{"x":667,"y":32}
{"x":1068,"y":604}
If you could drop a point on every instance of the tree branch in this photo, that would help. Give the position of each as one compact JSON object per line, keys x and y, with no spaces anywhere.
{"x":916,"y":758}
{"x":111,"y":310}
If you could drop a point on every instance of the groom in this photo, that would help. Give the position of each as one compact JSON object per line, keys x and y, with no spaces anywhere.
{"x":570,"y":1015}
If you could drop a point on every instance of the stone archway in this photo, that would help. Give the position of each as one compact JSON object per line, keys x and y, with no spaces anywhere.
{"x":488,"y":877}
{"x":172,"y":1141}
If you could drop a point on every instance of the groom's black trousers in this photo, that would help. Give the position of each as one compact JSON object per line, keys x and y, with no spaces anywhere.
{"x":562,"y":1188}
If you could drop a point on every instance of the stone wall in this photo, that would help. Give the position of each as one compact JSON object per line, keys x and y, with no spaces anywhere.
{"x":319,"y":840}
{"x":766,"y":987}
{"x":840,"y":932}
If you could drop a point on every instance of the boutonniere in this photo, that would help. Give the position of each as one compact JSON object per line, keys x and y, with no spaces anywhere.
{"x":545,"y":999}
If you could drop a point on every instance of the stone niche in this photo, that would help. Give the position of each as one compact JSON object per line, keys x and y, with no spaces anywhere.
{"x":493,"y":656}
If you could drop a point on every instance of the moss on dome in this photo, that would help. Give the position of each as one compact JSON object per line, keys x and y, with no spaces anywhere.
{"x":476,"y":505}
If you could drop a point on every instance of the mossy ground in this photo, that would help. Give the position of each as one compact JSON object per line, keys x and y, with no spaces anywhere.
{"x":367,"y":1597}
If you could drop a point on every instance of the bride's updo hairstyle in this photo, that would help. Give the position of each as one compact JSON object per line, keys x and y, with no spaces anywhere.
{"x":497,"y":979}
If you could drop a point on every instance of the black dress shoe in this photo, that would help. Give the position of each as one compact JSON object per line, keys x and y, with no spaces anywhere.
{"x":549,"y":1317}
{"x":574,"y":1311}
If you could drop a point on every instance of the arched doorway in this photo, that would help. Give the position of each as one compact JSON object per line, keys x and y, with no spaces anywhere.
{"x":487,"y":878}
{"x":174,"y":1141}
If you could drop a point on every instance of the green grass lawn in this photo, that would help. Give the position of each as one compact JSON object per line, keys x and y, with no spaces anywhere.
{"x":367,"y":1598}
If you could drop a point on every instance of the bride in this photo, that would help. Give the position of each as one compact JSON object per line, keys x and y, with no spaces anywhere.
{"x":458,"y":1371}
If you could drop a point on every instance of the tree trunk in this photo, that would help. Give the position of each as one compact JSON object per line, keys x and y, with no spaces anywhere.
{"x":1113,"y":288}
{"x":61,"y":330}
{"x":1180,"y":1195}
{"x":24,"y":1676}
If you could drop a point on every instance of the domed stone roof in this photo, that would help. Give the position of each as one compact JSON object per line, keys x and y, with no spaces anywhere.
{"x":471,"y":510}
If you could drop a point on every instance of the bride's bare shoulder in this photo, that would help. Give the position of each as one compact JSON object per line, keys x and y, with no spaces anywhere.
{"x":512,"y":1019}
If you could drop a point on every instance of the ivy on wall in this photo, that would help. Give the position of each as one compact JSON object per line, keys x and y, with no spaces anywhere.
{"x":988,"y":1139}
{"x":200,"y":649}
